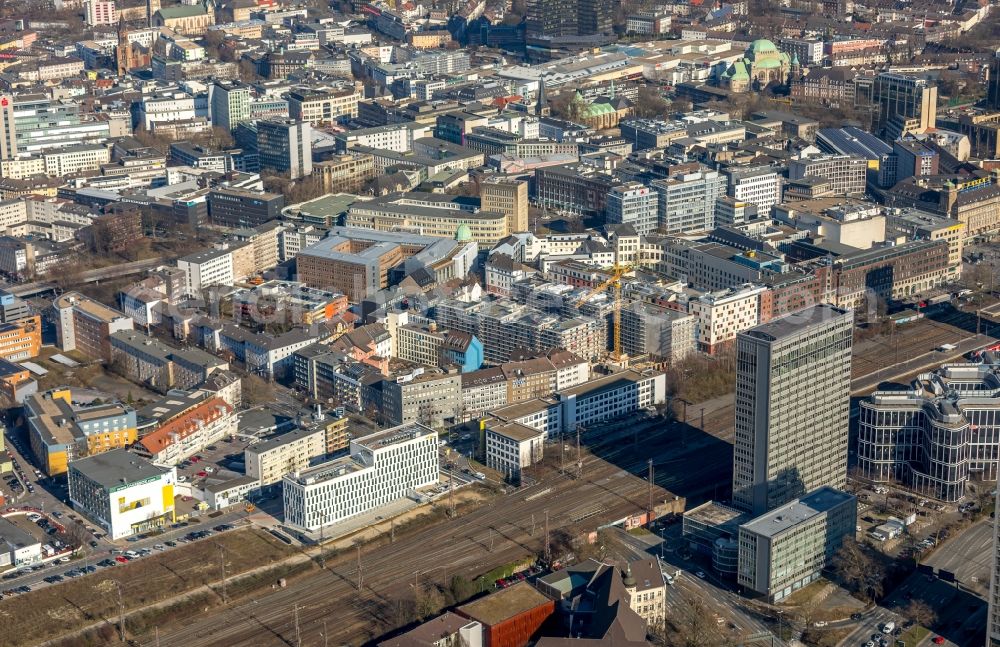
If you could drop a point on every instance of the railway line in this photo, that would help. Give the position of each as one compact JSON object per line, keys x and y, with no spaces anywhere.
{"x":691,"y":460}
{"x":469,"y":545}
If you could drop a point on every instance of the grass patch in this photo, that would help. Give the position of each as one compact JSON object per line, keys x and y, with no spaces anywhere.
{"x":914,"y":635}
{"x":640,"y":531}
{"x":57,"y":610}
{"x":805,"y":595}
{"x":826,"y":637}
{"x":506,"y":570}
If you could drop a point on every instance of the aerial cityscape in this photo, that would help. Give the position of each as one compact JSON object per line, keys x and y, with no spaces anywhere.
{"x":499,"y":323}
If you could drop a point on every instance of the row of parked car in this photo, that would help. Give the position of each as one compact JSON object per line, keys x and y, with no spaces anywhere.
{"x":520,"y":576}
{"x":15,"y":591}
{"x":14,"y":485}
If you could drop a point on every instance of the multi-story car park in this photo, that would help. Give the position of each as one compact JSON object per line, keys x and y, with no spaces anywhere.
{"x":937,"y":435}
{"x":381,"y":468}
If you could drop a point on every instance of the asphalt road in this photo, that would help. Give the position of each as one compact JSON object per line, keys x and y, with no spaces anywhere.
{"x":872,"y":623}
{"x":688,"y":587}
{"x":969,"y":556}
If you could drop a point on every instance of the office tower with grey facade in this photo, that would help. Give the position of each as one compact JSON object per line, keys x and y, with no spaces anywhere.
{"x":285,"y":146}
{"x":793,"y":378}
{"x":686,"y":201}
{"x":230,"y":104}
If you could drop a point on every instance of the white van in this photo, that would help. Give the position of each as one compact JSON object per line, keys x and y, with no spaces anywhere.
{"x":888,"y":627}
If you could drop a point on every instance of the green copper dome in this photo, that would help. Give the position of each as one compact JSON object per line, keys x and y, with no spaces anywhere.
{"x":763,"y":46}
{"x":463,"y":234}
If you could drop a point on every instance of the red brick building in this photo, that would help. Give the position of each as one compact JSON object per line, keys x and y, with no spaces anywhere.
{"x":510,"y":617}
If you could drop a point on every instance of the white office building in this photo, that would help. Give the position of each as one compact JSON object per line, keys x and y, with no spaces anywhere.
{"x":512,"y":447}
{"x":123,"y":493}
{"x":758,"y":185}
{"x":603,"y":398}
{"x":382,"y":468}
{"x":205,"y":269}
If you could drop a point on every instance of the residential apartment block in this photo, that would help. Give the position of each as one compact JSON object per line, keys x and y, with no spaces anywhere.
{"x":86,"y":326}
{"x":503,"y":327}
{"x":152,"y":363}
{"x":269,"y":460}
{"x":187,"y":424}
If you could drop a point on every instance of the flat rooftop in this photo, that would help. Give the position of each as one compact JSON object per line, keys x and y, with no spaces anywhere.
{"x":515,"y":431}
{"x":504,"y":604}
{"x":283,"y":439}
{"x":331,"y":469}
{"x":15,"y":538}
{"x":715,"y":514}
{"x":606,"y":383}
{"x":797,"y":512}
{"x":520,"y":409}
{"x":116,"y":468}
{"x":88,"y":306}
{"x":795,"y":322}
{"x":393,"y":436}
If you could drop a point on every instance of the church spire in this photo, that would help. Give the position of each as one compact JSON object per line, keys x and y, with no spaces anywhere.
{"x":541,"y":104}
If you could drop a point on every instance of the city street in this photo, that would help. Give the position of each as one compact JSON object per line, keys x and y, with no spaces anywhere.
{"x":969,"y":556}
{"x":688,"y":587}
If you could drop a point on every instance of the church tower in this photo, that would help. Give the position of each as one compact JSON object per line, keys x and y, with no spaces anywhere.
{"x":542,"y":104}
{"x":122,"y":50}
{"x":152,"y":6}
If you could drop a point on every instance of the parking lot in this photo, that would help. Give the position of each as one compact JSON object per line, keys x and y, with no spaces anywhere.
{"x":214,"y":458}
{"x":26,"y":579}
{"x":879,"y":503}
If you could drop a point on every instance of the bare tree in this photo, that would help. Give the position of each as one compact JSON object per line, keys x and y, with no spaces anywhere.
{"x":257,"y":391}
{"x":857,"y":570}
{"x":920,"y":613}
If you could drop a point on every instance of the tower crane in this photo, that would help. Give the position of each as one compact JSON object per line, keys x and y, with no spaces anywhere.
{"x":614,"y":282}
